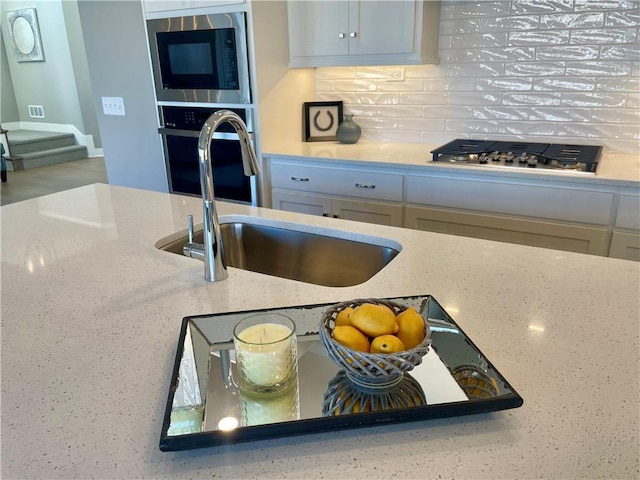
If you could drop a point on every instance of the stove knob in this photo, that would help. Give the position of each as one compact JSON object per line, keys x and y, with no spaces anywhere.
{"x":522,"y":158}
{"x":509,"y":157}
{"x":483,"y":158}
{"x":495,"y":156}
{"x":532,"y":161}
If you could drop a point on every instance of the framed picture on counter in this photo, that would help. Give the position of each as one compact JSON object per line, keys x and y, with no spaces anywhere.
{"x":321,"y":120}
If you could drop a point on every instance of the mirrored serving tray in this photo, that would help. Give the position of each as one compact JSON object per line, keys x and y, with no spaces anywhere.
{"x":204,"y":409}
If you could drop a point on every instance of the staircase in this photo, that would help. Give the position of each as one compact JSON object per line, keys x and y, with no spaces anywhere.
{"x":31,"y":149}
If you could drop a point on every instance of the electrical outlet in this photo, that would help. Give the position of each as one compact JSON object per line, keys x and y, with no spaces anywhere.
{"x":113,"y":106}
{"x":36,"y":111}
{"x":395,"y":75}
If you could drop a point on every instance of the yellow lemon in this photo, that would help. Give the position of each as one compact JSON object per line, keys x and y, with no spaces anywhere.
{"x":344,"y":316}
{"x":386,"y":344}
{"x":411,"y":328}
{"x":359,"y":407}
{"x":374,"y":320}
{"x":351,"y":338}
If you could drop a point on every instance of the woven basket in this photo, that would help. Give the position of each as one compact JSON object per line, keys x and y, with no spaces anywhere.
{"x":342,"y":398}
{"x":371,"y":368}
{"x":475,"y":382}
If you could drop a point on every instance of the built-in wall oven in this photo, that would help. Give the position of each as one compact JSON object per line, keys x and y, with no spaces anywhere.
{"x":180,"y":131}
{"x":200,"y":58}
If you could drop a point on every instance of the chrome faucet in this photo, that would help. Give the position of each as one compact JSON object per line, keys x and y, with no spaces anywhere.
{"x":211,"y":251}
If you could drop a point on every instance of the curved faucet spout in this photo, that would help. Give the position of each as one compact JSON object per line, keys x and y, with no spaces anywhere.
{"x":215,"y":265}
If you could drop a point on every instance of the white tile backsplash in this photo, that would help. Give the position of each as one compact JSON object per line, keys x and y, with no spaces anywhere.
{"x":545,"y":70}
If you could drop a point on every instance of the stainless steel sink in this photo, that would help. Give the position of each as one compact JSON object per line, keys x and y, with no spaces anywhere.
{"x":298,"y":255}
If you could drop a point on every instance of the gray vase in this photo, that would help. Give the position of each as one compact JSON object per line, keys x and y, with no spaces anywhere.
{"x":348,"y":131}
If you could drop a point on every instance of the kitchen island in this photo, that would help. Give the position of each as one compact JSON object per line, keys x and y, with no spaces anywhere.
{"x":91,"y":313}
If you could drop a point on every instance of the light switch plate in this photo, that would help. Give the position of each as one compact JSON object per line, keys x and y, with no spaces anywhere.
{"x":113,"y":106}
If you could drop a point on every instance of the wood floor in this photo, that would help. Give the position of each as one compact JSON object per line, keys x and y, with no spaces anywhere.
{"x":35,"y":182}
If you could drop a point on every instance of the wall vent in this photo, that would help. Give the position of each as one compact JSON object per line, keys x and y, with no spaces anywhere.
{"x":36,"y":111}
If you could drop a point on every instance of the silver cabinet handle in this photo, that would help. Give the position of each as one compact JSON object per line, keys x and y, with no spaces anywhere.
{"x":364,"y":185}
{"x":353,"y":34}
{"x":341,"y":35}
{"x":299,"y":179}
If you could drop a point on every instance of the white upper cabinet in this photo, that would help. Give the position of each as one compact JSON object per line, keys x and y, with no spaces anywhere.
{"x":155,"y":6}
{"x":362,"y":32}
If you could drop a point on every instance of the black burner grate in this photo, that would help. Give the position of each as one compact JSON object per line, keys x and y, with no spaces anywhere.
{"x":556,"y":156}
{"x":573,"y":153}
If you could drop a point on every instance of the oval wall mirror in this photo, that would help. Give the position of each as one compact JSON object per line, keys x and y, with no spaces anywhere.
{"x":23,"y":35}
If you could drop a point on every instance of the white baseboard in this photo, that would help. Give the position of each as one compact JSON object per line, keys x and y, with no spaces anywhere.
{"x":81,"y":139}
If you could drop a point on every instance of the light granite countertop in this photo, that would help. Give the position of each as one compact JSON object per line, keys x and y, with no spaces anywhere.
{"x":619,"y":169}
{"x":91,"y":313}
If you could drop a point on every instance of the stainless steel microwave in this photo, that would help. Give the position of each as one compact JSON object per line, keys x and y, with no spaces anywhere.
{"x":201,"y":58}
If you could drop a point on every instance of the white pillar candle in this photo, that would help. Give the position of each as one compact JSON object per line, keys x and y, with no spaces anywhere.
{"x":265,"y":352}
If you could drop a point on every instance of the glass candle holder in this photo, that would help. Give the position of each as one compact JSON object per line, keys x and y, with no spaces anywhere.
{"x":261,"y":410}
{"x":266,"y":354}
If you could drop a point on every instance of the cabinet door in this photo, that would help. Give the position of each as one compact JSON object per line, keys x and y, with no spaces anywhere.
{"x":318,"y":28}
{"x":362,"y":32}
{"x":301,"y":203}
{"x":625,"y":245}
{"x":369,"y":212}
{"x":381,"y":27}
{"x":379,"y":213}
{"x":151,"y":6}
{"x":628,"y":215}
{"x":511,"y":230}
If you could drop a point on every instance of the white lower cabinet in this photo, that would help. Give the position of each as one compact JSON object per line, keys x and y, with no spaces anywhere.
{"x":368,"y":211}
{"x":544,"y":200}
{"x":625,"y":241}
{"x":547,"y":215}
{"x":625,"y":246}
{"x":534,"y":233}
{"x":365,"y":195}
{"x":569,"y":216}
{"x":337,"y":180}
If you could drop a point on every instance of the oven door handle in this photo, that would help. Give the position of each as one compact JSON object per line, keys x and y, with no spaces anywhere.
{"x":178,"y":133}
{"x":196,"y":133}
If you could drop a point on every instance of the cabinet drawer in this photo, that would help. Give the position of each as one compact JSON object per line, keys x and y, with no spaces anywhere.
{"x":554,"y":203}
{"x":628,"y":212}
{"x":337,"y":181}
{"x":557,"y":236}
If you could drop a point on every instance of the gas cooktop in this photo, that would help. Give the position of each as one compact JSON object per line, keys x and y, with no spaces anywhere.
{"x":575,"y":158}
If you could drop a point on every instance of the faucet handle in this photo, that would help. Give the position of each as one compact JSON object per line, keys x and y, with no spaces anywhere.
{"x":190,"y":227}
{"x":191,"y":249}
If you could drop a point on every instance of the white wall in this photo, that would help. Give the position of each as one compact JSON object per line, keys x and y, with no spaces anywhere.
{"x":50,"y":83}
{"x":60,"y":84}
{"x":563,"y":70}
{"x":281,"y":91}
{"x":8,"y":106}
{"x":119,"y":66}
